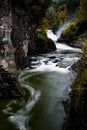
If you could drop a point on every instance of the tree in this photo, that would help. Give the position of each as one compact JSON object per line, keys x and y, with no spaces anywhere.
{"x":82,"y":14}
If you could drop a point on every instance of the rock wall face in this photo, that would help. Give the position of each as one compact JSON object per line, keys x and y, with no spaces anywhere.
{"x":9,"y":85}
{"x":18,"y":40}
{"x":24,"y":31}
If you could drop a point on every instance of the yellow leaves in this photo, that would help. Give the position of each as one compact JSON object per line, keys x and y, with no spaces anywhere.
{"x":85,"y":54}
{"x":79,"y":93}
{"x":44,"y":24}
{"x":82,"y":14}
{"x":61,"y":14}
{"x":85,"y":48}
{"x":62,"y":11}
{"x":70,"y":30}
{"x":80,"y":89}
{"x":42,"y":29}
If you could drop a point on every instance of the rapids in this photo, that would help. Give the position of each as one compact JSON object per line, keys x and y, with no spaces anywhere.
{"x":47,"y":86}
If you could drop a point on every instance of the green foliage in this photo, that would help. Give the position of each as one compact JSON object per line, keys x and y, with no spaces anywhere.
{"x":56,"y":16}
{"x":85,"y":55}
{"x":51,"y":16}
{"x":70,"y":30}
{"x":42,"y":29}
{"x":79,"y":26}
{"x":82,"y":14}
{"x":62,"y":7}
{"x":62,"y":13}
{"x":79,"y":90}
{"x":80,"y":86}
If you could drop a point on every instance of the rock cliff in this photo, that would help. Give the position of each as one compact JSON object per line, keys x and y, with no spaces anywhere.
{"x":18,"y":41}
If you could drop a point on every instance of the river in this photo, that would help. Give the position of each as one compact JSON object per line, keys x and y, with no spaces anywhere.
{"x":47,"y":85}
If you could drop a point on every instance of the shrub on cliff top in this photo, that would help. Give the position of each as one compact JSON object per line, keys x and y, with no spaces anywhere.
{"x":79,"y":26}
{"x":70,"y":30}
{"x":82,"y":13}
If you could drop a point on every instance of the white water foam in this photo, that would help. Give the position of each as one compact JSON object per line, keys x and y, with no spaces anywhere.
{"x":9,"y":108}
{"x":63,"y":46}
{"x":51,"y":35}
{"x":21,"y":117}
{"x":50,"y":68}
{"x":75,"y":59}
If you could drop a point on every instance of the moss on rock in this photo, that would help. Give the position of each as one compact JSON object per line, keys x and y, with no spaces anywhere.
{"x":77,"y":118}
{"x":76,"y":28}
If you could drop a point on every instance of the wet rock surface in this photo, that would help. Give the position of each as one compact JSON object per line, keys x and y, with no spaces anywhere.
{"x":9,"y":86}
{"x":4,"y":8}
{"x":78,"y":43}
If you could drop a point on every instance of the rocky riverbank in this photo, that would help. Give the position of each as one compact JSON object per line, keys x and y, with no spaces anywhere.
{"x":78,"y":42}
{"x":76,"y":109}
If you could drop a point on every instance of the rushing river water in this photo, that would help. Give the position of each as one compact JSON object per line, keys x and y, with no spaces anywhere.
{"x":47,"y":86}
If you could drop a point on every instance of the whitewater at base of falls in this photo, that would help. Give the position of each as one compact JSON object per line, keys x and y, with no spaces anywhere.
{"x":65,"y":47}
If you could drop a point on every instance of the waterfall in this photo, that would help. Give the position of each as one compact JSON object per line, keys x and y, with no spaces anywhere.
{"x":59,"y":31}
{"x":57,"y":35}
